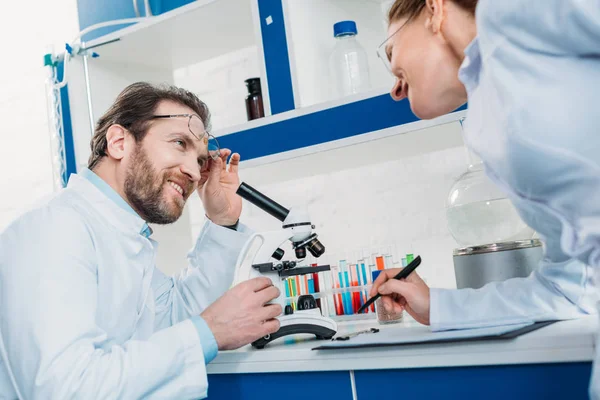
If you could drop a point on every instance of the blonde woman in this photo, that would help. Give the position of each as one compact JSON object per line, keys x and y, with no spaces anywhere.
{"x":530,"y":72}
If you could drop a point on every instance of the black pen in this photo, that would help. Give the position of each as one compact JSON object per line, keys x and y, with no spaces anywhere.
{"x":406,"y":271}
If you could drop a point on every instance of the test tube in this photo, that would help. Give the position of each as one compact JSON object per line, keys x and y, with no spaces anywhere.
{"x":348,"y":310}
{"x":330,"y":302}
{"x":348,"y":295}
{"x":355,"y":283}
{"x":361,"y":283}
{"x":370,"y":278}
{"x":339,"y":302}
{"x":395,"y":255}
{"x":386,"y":251}
{"x":379,"y":261}
{"x":365,"y":278}
{"x":287,"y":288}
{"x":287,"y":292}
{"x":316,"y":286}
{"x":342,"y":276}
{"x":374,"y":258}
{"x":388,"y":261}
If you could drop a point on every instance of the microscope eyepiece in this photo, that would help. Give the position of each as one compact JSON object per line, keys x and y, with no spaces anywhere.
{"x":261,"y":201}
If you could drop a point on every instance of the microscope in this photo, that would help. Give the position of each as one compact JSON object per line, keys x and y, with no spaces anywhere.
{"x":262,"y":255}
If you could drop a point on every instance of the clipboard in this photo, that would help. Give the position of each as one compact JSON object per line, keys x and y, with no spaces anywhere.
{"x":403,"y":336}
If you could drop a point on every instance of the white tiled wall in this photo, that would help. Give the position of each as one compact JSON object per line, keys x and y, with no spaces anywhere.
{"x":399,"y":203}
{"x":26,"y":30}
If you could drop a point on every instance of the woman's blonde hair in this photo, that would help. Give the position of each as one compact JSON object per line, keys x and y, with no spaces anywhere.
{"x":410,"y":9}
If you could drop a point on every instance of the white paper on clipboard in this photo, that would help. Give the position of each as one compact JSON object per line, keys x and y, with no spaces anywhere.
{"x":391,"y":336}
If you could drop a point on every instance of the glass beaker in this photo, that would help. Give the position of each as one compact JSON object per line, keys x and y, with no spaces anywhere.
{"x":385,"y":317}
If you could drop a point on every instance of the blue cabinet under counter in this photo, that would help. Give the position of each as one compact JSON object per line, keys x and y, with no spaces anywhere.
{"x":554,"y":362}
{"x":277,"y":386}
{"x":536,"y":381}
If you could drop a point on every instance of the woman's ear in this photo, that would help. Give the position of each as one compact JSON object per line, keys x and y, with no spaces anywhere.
{"x":436,"y":13}
{"x":115,"y":142}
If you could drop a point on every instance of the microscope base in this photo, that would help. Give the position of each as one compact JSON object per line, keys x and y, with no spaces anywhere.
{"x":308,"y":321}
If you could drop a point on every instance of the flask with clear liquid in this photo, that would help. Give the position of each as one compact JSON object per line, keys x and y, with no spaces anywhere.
{"x":348,"y":62}
{"x":479,"y":213}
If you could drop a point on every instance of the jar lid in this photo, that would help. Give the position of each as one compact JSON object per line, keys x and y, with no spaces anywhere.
{"x":494,"y":247}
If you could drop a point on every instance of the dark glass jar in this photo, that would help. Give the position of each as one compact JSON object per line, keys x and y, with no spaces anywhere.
{"x":254,"y":101}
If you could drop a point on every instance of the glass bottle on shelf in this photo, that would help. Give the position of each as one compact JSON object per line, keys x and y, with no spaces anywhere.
{"x":348,"y":62}
{"x":254,"y":100}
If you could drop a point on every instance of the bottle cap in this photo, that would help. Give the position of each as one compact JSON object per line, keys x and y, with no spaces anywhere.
{"x":253,"y":85}
{"x":344,"y":28}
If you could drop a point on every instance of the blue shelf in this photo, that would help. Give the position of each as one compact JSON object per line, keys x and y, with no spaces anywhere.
{"x":331,"y":124}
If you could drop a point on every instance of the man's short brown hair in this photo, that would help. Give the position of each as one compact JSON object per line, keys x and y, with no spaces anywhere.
{"x":133,"y":109}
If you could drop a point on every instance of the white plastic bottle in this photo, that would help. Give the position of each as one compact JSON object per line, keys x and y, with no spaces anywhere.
{"x":348,"y":62}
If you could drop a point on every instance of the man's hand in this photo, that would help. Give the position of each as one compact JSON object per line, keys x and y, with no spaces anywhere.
{"x":240,"y":316}
{"x":410,"y":294}
{"x":217,"y":187}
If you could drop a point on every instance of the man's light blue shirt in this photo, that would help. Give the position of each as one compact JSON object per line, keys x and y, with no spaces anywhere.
{"x":79,"y":277}
{"x":207,"y":339}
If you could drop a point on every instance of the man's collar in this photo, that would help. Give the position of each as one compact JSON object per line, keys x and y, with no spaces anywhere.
{"x":115,"y":198}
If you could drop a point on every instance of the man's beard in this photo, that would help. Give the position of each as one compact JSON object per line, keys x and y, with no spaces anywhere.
{"x":144,"y":188}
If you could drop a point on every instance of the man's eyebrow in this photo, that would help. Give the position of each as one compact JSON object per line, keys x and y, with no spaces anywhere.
{"x":187,"y":135}
{"x":190,"y":140}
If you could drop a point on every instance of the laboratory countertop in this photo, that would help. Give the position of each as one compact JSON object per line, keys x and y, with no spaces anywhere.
{"x":565,"y":341}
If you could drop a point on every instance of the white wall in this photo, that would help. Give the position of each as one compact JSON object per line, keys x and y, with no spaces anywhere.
{"x":26,"y":30}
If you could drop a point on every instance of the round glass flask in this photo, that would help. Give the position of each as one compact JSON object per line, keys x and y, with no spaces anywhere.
{"x":478,"y":212}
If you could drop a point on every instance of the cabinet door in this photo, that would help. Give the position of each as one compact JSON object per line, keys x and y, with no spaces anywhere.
{"x":277,"y":386}
{"x":539,"y":381}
